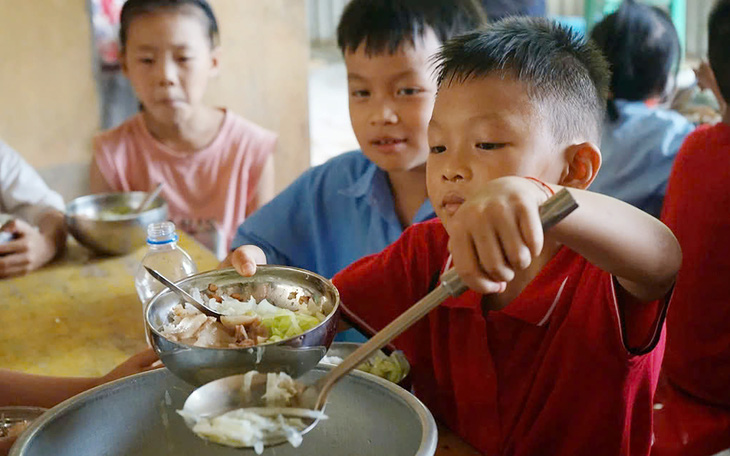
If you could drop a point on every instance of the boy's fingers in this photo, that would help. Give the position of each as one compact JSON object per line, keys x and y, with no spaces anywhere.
{"x":17,"y":260}
{"x":245,"y":258}
{"x":467,"y":266}
{"x":491,"y":257}
{"x":8,"y":226}
{"x":15,"y":246}
{"x":515,"y":251}
{"x":531,"y":230}
{"x":17,"y":226}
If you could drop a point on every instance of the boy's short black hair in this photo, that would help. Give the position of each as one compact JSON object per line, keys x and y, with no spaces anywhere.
{"x":719,"y":50}
{"x":384,"y":25}
{"x":135,"y":8}
{"x":566,"y":76}
{"x":642,"y":48}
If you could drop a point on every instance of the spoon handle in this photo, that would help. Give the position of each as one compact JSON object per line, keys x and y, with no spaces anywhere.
{"x":184,"y":295}
{"x":149,"y":198}
{"x":552,"y":211}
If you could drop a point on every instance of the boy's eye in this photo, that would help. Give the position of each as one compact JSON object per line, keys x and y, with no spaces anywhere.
{"x":184,"y":59}
{"x":438,"y":149}
{"x":490,"y":146}
{"x":409,"y":91}
{"x":360,"y":93}
{"x":146,"y":60}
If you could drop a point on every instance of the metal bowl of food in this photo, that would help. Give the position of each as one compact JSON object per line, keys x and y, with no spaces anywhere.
{"x":197,"y":360}
{"x":394,"y":367}
{"x":138,"y":416}
{"x":106,"y":223}
{"x":14,"y":421}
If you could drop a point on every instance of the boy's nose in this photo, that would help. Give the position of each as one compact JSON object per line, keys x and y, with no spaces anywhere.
{"x":383,"y":114}
{"x":167,"y":72}
{"x":455,"y":170}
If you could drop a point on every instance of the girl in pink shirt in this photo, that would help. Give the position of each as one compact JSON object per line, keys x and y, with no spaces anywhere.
{"x":217,"y":167}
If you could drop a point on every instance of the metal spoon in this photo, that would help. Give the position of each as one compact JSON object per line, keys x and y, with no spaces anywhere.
{"x":184,"y":295}
{"x":225,"y":394}
{"x":149,"y":198}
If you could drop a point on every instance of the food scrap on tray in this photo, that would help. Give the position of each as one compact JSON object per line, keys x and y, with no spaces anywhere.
{"x":245,"y":322}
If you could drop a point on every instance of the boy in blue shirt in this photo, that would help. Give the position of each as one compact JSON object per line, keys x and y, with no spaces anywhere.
{"x":358,"y":203}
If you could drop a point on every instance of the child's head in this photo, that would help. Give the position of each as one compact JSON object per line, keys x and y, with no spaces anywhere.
{"x":169,"y":53}
{"x":525,"y":97}
{"x":719,"y":54}
{"x":643,"y":50}
{"x":387,"y":46}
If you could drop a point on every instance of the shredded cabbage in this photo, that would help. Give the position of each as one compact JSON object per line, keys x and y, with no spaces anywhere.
{"x":244,"y":323}
{"x":393,"y":368}
{"x":252,"y":427}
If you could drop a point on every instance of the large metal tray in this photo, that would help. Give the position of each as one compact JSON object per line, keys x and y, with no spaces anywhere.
{"x":136,"y":416}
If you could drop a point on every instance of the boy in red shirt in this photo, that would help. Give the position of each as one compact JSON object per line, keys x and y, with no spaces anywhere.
{"x":695,"y":419}
{"x":557,"y":346}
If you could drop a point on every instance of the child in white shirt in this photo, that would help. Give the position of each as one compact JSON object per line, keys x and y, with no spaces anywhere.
{"x":30,"y":213}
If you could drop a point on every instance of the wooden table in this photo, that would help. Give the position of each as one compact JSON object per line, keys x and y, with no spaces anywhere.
{"x":80,"y":316}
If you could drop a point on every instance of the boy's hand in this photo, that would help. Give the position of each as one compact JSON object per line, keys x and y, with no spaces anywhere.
{"x":706,"y":80}
{"x":141,"y":362}
{"x":497,"y":232}
{"x":244,"y":259}
{"x":29,"y":250}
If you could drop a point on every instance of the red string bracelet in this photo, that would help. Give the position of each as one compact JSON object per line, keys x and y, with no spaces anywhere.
{"x":542,"y":184}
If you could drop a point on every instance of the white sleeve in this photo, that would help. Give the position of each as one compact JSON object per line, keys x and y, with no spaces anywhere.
{"x":23,"y":193}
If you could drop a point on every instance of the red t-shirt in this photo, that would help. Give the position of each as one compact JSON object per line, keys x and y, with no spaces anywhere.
{"x":697,"y":209}
{"x":548,"y":374}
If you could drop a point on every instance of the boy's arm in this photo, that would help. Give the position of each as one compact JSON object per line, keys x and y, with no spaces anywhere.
{"x":639,"y":250}
{"x":17,"y":388}
{"x":497,"y":233}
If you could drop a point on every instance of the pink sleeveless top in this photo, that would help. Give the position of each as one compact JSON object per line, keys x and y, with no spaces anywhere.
{"x":207,"y":191}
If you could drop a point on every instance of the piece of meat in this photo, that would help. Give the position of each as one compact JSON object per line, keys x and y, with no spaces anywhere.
{"x":232,"y":321}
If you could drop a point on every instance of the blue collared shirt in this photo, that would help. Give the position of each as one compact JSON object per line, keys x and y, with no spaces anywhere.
{"x":332,"y":215}
{"x":638,"y":152}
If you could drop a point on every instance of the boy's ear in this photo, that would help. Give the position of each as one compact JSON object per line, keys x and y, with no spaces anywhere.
{"x":123,"y":63}
{"x":215,"y":56}
{"x":582,"y":163}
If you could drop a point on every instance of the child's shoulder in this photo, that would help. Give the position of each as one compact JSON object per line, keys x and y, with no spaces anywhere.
{"x":126,"y":128}
{"x":719,"y":133}
{"x":706,"y":143}
{"x":343,"y":170}
{"x":114,"y":138}
{"x":237,"y":125}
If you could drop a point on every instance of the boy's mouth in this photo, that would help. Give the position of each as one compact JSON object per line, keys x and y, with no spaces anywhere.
{"x":451,"y":203}
{"x":388,"y":142}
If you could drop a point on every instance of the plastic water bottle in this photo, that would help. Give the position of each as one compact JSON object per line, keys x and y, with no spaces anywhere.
{"x":164,"y":256}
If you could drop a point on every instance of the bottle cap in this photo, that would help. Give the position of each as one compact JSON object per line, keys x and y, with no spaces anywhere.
{"x":161,"y":233}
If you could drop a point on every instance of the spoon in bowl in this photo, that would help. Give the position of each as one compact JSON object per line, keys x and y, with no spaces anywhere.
{"x":225,"y":394}
{"x":148,"y":199}
{"x":184,"y":295}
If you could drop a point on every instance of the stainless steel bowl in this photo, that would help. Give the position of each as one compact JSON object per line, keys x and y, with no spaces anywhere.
{"x":281,"y":286}
{"x":137,"y":416}
{"x":344,"y":349}
{"x":117,"y":236}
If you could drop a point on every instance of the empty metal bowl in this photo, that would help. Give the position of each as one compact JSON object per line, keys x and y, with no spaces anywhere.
{"x":99,"y":222}
{"x":368,"y":416}
{"x":280,"y":285}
